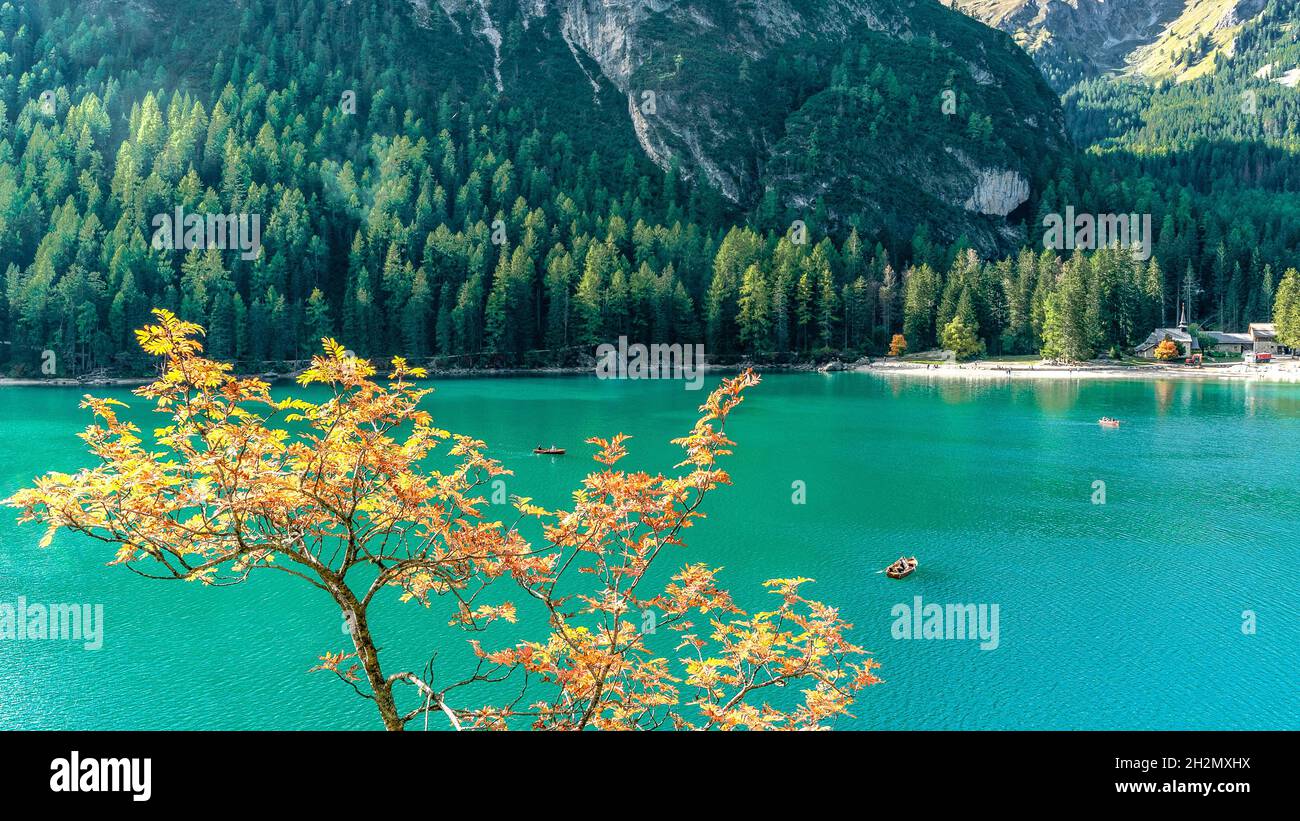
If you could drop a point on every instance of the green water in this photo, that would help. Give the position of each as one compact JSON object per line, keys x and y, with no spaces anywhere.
{"x":1126,"y":614}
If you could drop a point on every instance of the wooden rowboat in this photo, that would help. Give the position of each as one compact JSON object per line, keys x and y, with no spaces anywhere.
{"x":551,"y":451}
{"x":901,"y":568}
{"x":1107,"y":422}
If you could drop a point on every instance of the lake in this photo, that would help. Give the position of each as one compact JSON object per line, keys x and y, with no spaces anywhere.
{"x":1126,"y":614}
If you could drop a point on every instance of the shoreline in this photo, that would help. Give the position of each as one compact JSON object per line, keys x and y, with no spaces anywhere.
{"x":977,"y":370}
{"x":434,"y":373}
{"x":1275,"y":373}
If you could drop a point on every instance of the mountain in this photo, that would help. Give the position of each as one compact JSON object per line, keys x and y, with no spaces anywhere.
{"x":778,"y":99}
{"x":1081,"y":39}
{"x":728,"y":91}
{"x":1209,"y":86}
{"x":498,"y":183}
{"x":733,"y":95}
{"x":1243,"y":99}
{"x":498,"y":178}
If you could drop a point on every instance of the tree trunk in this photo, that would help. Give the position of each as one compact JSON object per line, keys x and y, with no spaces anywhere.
{"x":369,"y":656}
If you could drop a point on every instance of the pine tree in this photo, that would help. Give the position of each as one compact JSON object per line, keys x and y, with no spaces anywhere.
{"x":1286,"y":309}
{"x":1066,"y":333}
{"x":753,"y":314}
{"x":920,"y":286}
{"x":804,"y":310}
{"x":415,"y":317}
{"x":318,"y":322}
{"x":559,"y":282}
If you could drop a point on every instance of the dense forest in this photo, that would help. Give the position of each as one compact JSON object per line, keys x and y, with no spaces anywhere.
{"x":445,"y":219}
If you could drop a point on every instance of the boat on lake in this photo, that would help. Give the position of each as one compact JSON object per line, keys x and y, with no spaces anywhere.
{"x":1107,"y":422}
{"x":551,"y":451}
{"x":905,"y":566}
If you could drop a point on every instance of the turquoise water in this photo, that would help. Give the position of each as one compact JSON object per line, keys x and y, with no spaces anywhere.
{"x":1120,"y":615}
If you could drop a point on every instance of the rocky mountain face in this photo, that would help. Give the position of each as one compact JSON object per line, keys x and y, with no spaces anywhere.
{"x":888,"y":115}
{"x":1078,"y":39}
{"x":746,"y":96}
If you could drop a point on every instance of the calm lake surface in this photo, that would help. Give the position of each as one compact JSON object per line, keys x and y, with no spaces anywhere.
{"x":1127,"y":614}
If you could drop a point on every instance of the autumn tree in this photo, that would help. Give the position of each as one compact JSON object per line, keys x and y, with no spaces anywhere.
{"x":898,"y":345}
{"x":338,"y":494}
{"x":1167,"y":349}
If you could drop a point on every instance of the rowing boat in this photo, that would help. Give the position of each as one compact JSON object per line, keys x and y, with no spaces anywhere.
{"x":901,"y":568}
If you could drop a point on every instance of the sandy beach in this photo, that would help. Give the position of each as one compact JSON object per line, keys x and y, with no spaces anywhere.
{"x":1284,"y":371}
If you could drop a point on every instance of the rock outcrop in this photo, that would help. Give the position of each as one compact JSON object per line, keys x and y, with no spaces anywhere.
{"x":997,"y":192}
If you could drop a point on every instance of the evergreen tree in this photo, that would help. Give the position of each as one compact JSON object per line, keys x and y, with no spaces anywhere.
{"x":752,"y":319}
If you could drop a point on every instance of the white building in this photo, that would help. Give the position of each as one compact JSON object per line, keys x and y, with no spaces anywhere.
{"x":1232,"y":343}
{"x":1264,"y":338}
{"x":1188,"y":344}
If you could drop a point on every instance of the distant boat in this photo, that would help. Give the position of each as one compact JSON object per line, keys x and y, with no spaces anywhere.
{"x":901,"y":568}
{"x":1107,"y":422}
{"x":551,"y":451}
